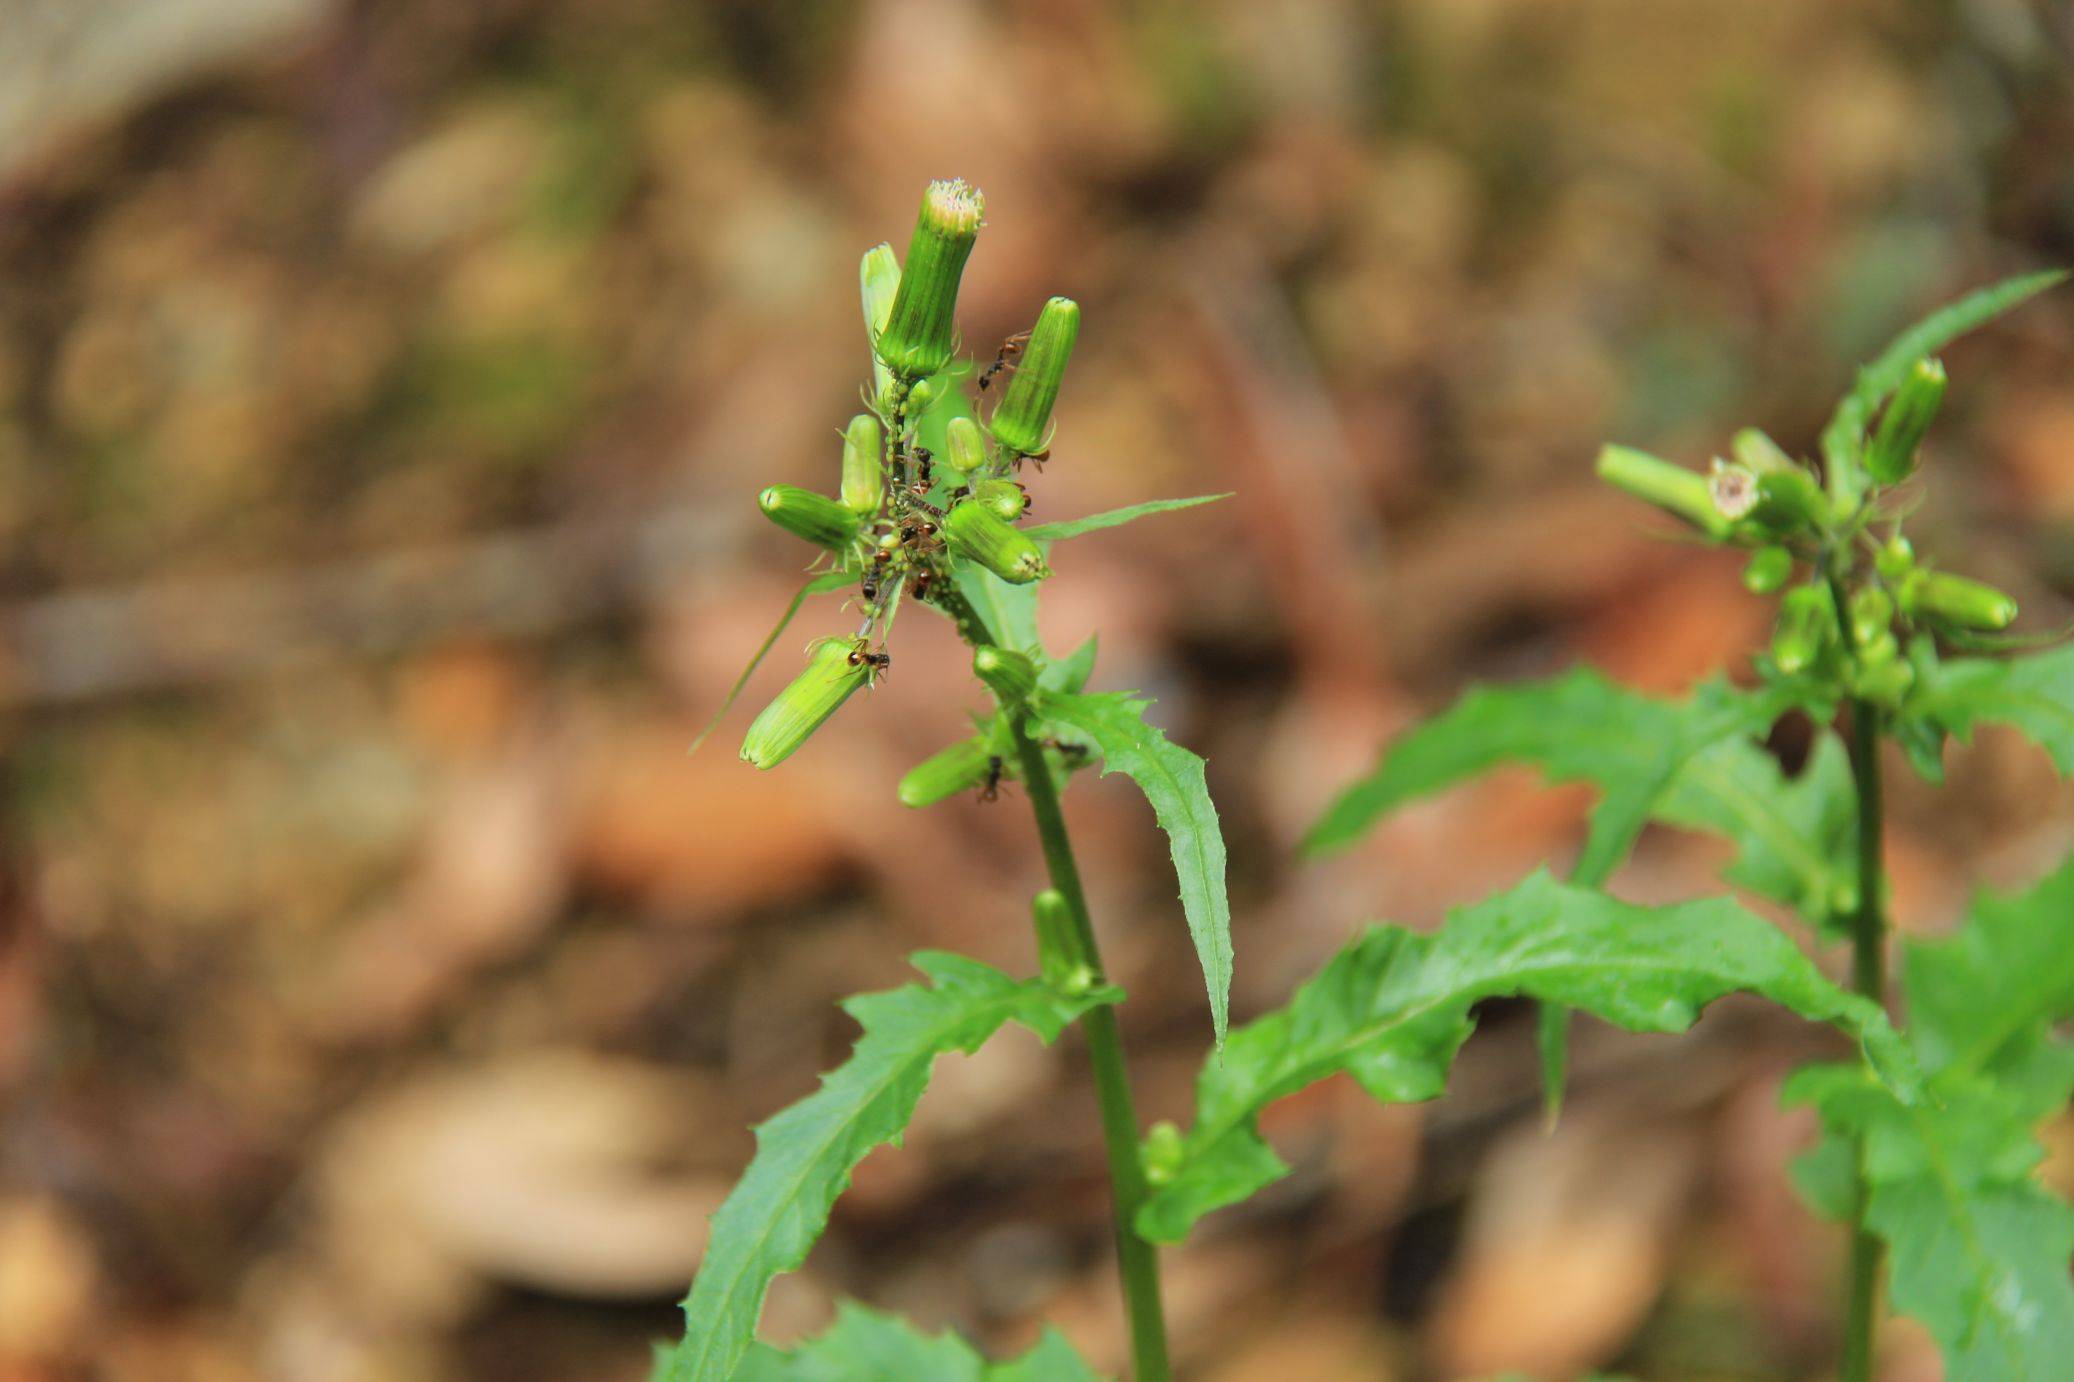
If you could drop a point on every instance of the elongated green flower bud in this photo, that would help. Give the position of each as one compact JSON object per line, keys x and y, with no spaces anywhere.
{"x":1758,"y":453}
{"x":1671,"y":488}
{"x":835,"y":668}
{"x":1058,"y":948}
{"x":1004,"y":497}
{"x":1892,"y":456}
{"x":1020,"y":421}
{"x":959,"y":768}
{"x":978,"y":533}
{"x":965,"y":450}
{"x":803,"y":513}
{"x":1957,"y":600}
{"x":1790,"y":501}
{"x":1769,"y":570}
{"x":920,"y":331}
{"x":1009,"y":674}
{"x":1895,"y":559}
{"x":878,"y":279}
{"x":1806,"y":622}
{"x":864,"y":479}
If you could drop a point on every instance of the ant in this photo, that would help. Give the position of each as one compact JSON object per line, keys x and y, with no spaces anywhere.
{"x":992,"y":790}
{"x":920,"y":583}
{"x":1010,"y":348}
{"x":1036,"y":458}
{"x":877,"y":662}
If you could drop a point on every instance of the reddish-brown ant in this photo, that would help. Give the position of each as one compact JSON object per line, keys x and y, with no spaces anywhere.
{"x":992,"y":790}
{"x":1010,"y":348}
{"x":877,"y":662}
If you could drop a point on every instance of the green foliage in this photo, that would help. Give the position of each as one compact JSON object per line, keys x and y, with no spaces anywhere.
{"x":1173,"y":780}
{"x":1392,"y":1008}
{"x":1578,"y":727}
{"x":1979,"y":1249}
{"x":804,"y":1156}
{"x":1116,"y":518}
{"x":866,"y":1346}
{"x":2033,"y":695}
{"x":1843,"y":440}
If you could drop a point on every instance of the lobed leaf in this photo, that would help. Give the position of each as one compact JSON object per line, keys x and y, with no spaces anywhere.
{"x":1795,"y":838}
{"x":1843,"y":439}
{"x":866,"y":1346}
{"x":2032,"y":694}
{"x":1173,"y":780}
{"x":1392,"y":1008}
{"x":1577,"y":727}
{"x":1116,"y":518}
{"x":1979,"y":1249}
{"x":804,"y":1155}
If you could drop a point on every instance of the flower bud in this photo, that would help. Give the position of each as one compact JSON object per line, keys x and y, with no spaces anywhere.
{"x":965,"y":450}
{"x":1058,"y":949}
{"x":1672,"y":488}
{"x":1806,"y":623}
{"x":1010,"y":675}
{"x":1872,"y":615}
{"x":1163,"y":1152}
{"x":920,"y":332}
{"x":1004,"y":497}
{"x":1789,"y":501}
{"x":959,"y":768}
{"x":1892,"y":455}
{"x":878,"y":279}
{"x":1956,"y":600}
{"x":864,"y":481}
{"x":1758,"y":453}
{"x":1732,"y":489}
{"x":1769,"y":570}
{"x":803,"y":513}
{"x":1884,"y":682}
{"x":835,"y":668}
{"x":923,"y":396}
{"x":978,"y":533}
{"x":1895,"y":559}
{"x":1020,"y":421}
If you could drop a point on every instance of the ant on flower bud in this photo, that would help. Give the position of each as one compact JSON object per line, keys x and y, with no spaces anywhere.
{"x":1010,"y":348}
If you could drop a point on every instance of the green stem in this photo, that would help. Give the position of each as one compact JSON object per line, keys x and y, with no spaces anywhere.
{"x":1137,"y":1259}
{"x":1869,"y":977}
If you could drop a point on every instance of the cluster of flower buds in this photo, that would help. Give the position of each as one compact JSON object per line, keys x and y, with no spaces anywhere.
{"x":1845,"y":623}
{"x":904,"y":516}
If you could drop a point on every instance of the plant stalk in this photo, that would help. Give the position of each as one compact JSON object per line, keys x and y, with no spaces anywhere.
{"x":1868,"y":977}
{"x":1137,"y":1259}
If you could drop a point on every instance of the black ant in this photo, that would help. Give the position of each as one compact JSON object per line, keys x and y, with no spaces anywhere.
{"x":992,"y":790}
{"x":920,"y":584}
{"x":1010,"y":348}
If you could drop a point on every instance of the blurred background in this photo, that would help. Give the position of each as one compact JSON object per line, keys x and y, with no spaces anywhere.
{"x":384,"y":387}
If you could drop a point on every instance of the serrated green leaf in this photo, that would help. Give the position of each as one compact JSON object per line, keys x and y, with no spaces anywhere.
{"x":1843,"y":440}
{"x":1795,"y":838}
{"x":1173,"y":780}
{"x":1116,"y":518}
{"x":866,"y":1346}
{"x":1979,"y":1249}
{"x":1578,"y":727}
{"x":1070,"y":672}
{"x":826,"y":581}
{"x":1392,"y":1008}
{"x":804,"y":1156}
{"x":2033,"y":694}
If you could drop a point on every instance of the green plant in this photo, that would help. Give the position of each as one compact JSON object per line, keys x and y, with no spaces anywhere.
{"x":1941,"y":1185}
{"x":929,"y":509}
